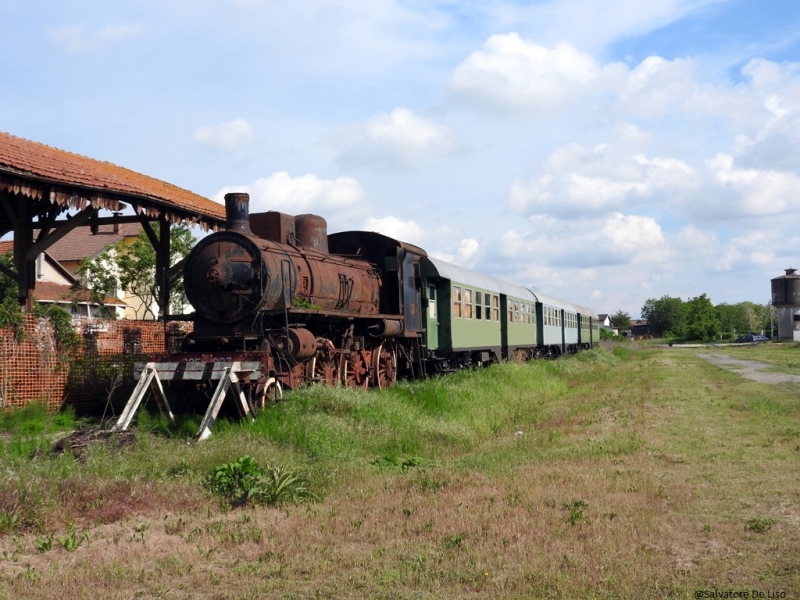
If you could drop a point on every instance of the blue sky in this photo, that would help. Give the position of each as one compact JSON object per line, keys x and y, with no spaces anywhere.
{"x":601,"y":152}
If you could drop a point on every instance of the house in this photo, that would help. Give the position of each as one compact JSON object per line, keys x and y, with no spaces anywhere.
{"x":640,"y":328}
{"x":605,"y":323}
{"x":83,"y":242}
{"x":56,"y":285}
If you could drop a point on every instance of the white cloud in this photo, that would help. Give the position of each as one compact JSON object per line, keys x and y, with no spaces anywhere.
{"x":334,"y":198}
{"x":400,"y":138}
{"x":77,"y":38}
{"x":466,"y":254}
{"x":575,"y":179}
{"x":405,"y":231}
{"x":750,"y":192}
{"x":635,"y":239}
{"x":232,"y":135}
{"x":509,"y":72}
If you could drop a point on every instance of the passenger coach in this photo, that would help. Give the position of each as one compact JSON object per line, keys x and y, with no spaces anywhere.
{"x":472,"y":318}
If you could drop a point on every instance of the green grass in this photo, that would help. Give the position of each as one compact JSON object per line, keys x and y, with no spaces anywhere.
{"x":638,"y":472}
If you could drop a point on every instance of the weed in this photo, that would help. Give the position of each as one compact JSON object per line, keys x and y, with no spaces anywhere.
{"x":72,"y":540}
{"x":182,"y":468}
{"x":454,"y":541}
{"x":243,"y":481}
{"x":140,"y":530}
{"x":44,"y":542}
{"x":575,"y":508}
{"x":175,"y":528}
{"x":759,"y":525}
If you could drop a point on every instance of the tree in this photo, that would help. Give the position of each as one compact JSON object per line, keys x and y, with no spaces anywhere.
{"x":665,"y":315}
{"x":702,"y":320}
{"x":621,"y":320}
{"x":131,"y":267}
{"x":742,"y":317}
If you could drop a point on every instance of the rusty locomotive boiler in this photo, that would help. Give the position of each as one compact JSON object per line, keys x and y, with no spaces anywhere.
{"x":268,"y":288}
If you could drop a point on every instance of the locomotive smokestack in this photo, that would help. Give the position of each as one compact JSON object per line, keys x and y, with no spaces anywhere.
{"x":237,"y":212}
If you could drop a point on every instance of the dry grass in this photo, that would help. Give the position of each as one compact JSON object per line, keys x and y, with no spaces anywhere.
{"x":636,"y":479}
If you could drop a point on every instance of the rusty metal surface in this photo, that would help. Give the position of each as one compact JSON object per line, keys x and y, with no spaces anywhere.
{"x":312,"y":232}
{"x":273,"y":226}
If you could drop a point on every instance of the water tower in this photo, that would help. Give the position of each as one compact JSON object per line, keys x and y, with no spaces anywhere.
{"x":786,"y":298}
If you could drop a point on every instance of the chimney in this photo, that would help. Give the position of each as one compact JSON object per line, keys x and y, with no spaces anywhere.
{"x":237,"y":212}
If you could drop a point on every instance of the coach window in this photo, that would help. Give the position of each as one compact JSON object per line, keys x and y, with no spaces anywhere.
{"x":467,"y":304}
{"x":456,"y":301}
{"x":488,"y":312}
{"x":432,"y":301}
{"x":495,"y":308}
{"x":478,"y":303}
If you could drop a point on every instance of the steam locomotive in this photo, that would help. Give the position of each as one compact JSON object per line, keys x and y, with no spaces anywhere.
{"x":357,"y":308}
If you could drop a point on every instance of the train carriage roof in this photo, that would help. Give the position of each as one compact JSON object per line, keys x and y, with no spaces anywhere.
{"x":587,"y":312}
{"x":458,"y":274}
{"x":554,"y":302}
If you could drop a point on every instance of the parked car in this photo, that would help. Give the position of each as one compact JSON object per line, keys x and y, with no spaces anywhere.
{"x":750,"y":339}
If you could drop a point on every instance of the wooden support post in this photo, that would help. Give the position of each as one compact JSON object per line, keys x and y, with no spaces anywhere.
{"x":148,"y":380}
{"x":162,"y":267}
{"x":228,"y":379}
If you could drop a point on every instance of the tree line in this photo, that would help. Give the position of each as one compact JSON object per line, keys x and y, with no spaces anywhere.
{"x":697,"y":319}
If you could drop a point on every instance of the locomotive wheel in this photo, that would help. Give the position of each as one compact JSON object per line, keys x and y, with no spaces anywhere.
{"x":323,"y":369}
{"x":268,"y":390}
{"x":384,"y":366}
{"x":356,"y":373}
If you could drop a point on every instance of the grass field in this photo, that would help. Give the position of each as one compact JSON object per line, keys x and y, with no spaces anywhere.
{"x":632,"y":473}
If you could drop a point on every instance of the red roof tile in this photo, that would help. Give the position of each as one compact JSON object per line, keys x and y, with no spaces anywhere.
{"x":6,"y":247}
{"x":81,"y":242}
{"x":26,"y":160}
{"x":55,"y":292}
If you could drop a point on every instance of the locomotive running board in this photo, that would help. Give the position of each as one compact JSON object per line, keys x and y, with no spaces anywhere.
{"x":152,"y":374}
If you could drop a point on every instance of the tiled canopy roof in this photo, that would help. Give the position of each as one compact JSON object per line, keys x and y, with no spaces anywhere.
{"x":35,"y":170}
{"x":47,"y":291}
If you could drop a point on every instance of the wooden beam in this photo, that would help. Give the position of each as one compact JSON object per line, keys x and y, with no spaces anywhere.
{"x":148,"y":229}
{"x":67,"y":225}
{"x":12,"y":215}
{"x":9,"y":273}
{"x":162,"y":266}
{"x":175,"y":271}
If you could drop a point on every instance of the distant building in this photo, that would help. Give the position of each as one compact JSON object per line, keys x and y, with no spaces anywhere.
{"x":56,"y":285}
{"x":605,"y":323}
{"x":640,"y":328}
{"x":81,"y":243}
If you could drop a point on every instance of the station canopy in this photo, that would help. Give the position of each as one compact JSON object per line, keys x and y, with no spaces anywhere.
{"x":46,"y":192}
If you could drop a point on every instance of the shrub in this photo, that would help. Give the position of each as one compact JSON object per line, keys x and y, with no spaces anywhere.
{"x":243,"y":481}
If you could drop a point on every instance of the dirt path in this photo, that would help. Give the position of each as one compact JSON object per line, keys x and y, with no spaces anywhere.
{"x":750,"y":369}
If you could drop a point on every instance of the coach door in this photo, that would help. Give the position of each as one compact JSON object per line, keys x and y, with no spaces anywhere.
{"x":504,"y":326}
{"x":432,"y":320}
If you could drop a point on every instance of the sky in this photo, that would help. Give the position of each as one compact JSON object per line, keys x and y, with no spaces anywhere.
{"x":602,"y":152}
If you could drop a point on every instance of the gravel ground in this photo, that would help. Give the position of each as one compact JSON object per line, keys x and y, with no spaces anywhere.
{"x":750,"y":369}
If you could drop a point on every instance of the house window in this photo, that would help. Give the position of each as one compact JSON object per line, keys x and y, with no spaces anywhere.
{"x":478,"y":304}
{"x":467,"y":304}
{"x":456,"y":301}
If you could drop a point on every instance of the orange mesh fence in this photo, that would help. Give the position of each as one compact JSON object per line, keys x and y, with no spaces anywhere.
{"x":31,"y":369}
{"x":102,"y":370}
